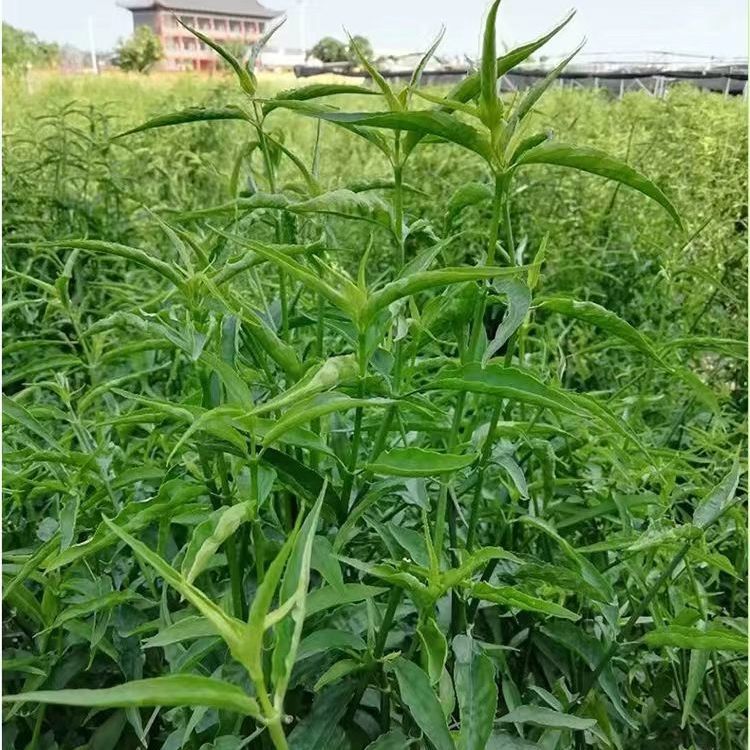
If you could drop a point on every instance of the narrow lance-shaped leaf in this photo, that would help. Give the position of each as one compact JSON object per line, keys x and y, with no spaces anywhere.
{"x":416,"y":75}
{"x":418,"y":696}
{"x":376,"y":76}
{"x":421,"y":122}
{"x":470,"y":86}
{"x":326,"y":377}
{"x":188,"y":628}
{"x":347,"y":204}
{"x":476,"y":690}
{"x":309,"y":409}
{"x":419,"y":462}
{"x":222,"y":527}
{"x":185,"y":116}
{"x":173,"y":690}
{"x":328,"y":597}
{"x":467,"y":194}
{"x":736,"y":706}
{"x":337,"y":671}
{"x":230,"y":629}
{"x":599,"y":316}
{"x":294,"y":588}
{"x":489,"y":105}
{"x":510,"y":596}
{"x":714,"y":505}
{"x":713,"y":638}
{"x":169,"y":271}
{"x":519,"y":301}
{"x":327,"y":639}
{"x":418,"y":282}
{"x":343,"y":299}
{"x":545,"y":717}
{"x":244,"y":76}
{"x":508,"y":382}
{"x":434,"y":648}
{"x":262,"y":41}
{"x":261,"y":605}
{"x":533,"y":94}
{"x":315,"y":91}
{"x":600,"y":163}
{"x":587,"y":570}
{"x":173,"y":496}
{"x":696,"y":671}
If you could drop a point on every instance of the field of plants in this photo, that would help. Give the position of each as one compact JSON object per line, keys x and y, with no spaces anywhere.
{"x":347,"y":416}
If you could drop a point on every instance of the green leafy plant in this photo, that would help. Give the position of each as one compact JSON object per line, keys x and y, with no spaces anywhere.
{"x":358,"y":502}
{"x":140,"y":52}
{"x":22,"y":49}
{"x":328,"y":50}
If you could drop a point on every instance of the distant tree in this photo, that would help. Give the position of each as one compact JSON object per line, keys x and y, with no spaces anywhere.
{"x":329,"y":50}
{"x":139,"y":53}
{"x":364,"y":47}
{"x":22,"y":49}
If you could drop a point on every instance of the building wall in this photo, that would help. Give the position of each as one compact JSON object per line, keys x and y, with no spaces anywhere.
{"x":183,"y":51}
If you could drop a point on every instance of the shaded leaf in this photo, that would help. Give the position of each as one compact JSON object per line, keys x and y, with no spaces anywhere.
{"x":476,"y":690}
{"x":418,"y":696}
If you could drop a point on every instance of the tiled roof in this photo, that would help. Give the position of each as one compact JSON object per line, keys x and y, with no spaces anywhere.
{"x":250,"y":8}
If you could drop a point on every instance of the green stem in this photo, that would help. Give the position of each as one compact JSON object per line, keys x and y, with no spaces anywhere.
{"x":346,"y":489}
{"x":235,"y":573}
{"x":440,"y":519}
{"x":483,"y":461}
{"x":276,"y":733}
{"x":275,"y":729}
{"x":271,"y":176}
{"x":394,"y":599}
{"x":479,"y":310}
{"x":390,"y":412}
{"x":726,"y":737}
{"x":501,"y":199}
{"x":398,"y":211}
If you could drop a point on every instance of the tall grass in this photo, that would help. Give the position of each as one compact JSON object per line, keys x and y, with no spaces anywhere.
{"x":345,"y":417}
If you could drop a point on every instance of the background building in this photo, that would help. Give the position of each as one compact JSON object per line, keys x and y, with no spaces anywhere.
{"x":233,"y":23}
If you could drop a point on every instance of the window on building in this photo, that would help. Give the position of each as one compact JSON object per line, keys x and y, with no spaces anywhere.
{"x":250,"y":27}
{"x":220,"y":24}
{"x":261,"y":27}
{"x":204,"y":24}
{"x":189,"y":20}
{"x":189,"y":43}
{"x":235,"y":26}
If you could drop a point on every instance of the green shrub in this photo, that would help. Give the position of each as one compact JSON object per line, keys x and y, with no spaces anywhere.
{"x":330,"y":458}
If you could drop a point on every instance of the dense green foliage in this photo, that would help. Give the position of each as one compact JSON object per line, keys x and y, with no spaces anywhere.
{"x":331,"y":430}
{"x":140,"y":52}
{"x":329,"y":49}
{"x":22,"y":49}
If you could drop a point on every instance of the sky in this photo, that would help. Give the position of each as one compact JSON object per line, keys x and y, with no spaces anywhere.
{"x":716,"y":28}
